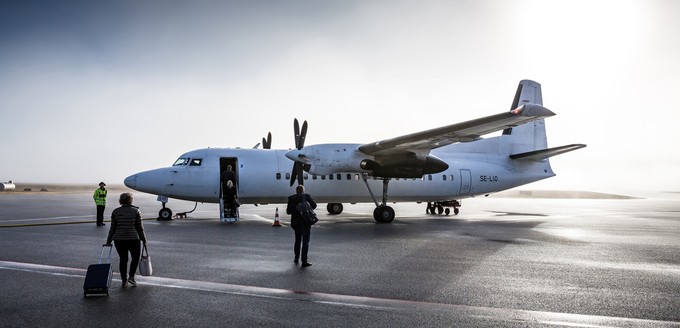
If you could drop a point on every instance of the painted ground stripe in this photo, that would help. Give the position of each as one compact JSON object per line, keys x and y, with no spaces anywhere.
{"x":371,"y":303}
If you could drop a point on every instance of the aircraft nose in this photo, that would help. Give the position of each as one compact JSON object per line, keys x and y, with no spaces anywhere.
{"x":131,"y":181}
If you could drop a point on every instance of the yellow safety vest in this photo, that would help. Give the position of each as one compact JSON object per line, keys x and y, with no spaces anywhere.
{"x":100,"y":196}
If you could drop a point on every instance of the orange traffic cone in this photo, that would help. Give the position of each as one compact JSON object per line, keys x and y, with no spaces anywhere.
{"x":276,"y":219}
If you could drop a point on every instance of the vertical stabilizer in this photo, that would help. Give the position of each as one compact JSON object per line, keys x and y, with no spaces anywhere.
{"x":530,"y":136}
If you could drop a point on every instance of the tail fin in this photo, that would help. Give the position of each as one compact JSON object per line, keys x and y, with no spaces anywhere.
{"x":530,"y":136}
{"x":529,"y":141}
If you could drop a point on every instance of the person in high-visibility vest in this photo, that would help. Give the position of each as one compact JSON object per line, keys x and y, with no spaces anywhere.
{"x":100,"y":200}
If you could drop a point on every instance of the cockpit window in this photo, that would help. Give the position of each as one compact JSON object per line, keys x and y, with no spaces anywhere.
{"x":181,"y":161}
{"x":195,"y":162}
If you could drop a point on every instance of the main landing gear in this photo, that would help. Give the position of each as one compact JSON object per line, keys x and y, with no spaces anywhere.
{"x":334,"y":208}
{"x":382,"y":212}
{"x":443,"y":207}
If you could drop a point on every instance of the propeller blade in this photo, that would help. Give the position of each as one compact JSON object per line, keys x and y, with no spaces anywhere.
{"x":298,"y":167}
{"x":296,"y":130}
{"x":303,"y":135}
{"x":300,"y":176}
{"x":293,"y":173}
{"x":267,"y":143}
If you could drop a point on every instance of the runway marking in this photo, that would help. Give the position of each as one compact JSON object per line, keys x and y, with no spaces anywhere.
{"x":19,"y":225}
{"x":50,"y":218}
{"x":363,"y":302}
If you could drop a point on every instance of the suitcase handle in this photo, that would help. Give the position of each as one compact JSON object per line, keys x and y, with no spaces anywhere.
{"x":101,"y":256}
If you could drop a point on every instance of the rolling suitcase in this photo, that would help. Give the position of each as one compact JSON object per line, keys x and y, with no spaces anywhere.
{"x":98,"y":277}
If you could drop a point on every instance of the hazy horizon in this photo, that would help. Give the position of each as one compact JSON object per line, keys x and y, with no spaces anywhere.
{"x":93,"y":91}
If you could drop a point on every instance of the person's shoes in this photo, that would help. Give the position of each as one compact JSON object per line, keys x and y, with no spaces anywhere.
{"x":125,"y":284}
{"x":306,"y":264}
{"x":132,"y":282}
{"x":296,"y":261}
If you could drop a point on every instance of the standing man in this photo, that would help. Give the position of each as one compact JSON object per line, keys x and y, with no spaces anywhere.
{"x":100,"y":200}
{"x":302,"y":230}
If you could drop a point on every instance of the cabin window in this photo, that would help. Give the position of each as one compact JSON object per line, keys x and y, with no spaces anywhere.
{"x":429,"y":177}
{"x":444,"y":177}
{"x":349,"y":177}
{"x":330,"y":177}
{"x":306,"y":176}
{"x":195,"y":162}
{"x":314,"y":177}
{"x":339,"y":176}
{"x":323,"y":177}
{"x":278,"y":176}
{"x":451,"y":176}
{"x":181,"y":161}
{"x":287,"y":176}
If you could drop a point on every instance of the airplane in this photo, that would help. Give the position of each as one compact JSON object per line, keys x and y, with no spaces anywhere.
{"x":440,"y":166}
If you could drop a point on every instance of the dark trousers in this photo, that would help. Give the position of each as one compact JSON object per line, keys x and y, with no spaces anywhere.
{"x":134,"y":248}
{"x":100,"y":214}
{"x":302,"y":235}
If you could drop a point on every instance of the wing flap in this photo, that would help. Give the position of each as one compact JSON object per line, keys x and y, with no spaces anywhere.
{"x":459,"y":132}
{"x":538,"y":155}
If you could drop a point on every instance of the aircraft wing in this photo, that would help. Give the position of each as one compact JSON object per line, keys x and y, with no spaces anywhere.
{"x":471,"y":130}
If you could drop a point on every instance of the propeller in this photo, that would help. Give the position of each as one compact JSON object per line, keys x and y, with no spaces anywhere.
{"x":298,"y":166}
{"x":267,"y":143}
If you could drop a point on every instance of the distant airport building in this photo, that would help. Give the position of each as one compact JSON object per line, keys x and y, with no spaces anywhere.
{"x":7,"y":186}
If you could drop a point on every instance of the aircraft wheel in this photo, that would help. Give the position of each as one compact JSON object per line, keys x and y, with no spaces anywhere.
{"x":440,"y":210}
{"x":383,"y":214}
{"x":334,"y":208}
{"x":447,"y":211}
{"x":165,"y":214}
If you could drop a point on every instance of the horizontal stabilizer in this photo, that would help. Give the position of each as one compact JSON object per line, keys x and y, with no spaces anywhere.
{"x":538,"y":155}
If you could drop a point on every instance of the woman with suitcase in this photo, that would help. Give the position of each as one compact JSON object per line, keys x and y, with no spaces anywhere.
{"x":126,"y":231}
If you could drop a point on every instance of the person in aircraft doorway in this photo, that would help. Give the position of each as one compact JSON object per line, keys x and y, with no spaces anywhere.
{"x":100,"y":200}
{"x":302,"y":230}
{"x":229,"y":189}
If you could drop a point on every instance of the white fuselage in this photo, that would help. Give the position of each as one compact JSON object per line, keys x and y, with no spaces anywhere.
{"x":264,"y":177}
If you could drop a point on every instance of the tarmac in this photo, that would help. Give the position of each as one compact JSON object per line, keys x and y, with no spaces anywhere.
{"x":502,"y":262}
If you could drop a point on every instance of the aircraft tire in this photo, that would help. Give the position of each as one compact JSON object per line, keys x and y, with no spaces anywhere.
{"x":383,"y":214}
{"x":165,"y":214}
{"x":334,"y":208}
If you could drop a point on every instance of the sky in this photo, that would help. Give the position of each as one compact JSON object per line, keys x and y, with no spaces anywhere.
{"x":100,"y":90}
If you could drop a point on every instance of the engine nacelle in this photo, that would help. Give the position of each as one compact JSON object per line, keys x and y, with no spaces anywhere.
{"x":404,"y":166}
{"x":335,"y":158}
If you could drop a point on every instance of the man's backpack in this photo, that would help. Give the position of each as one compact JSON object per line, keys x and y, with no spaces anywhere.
{"x":306,"y":212}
